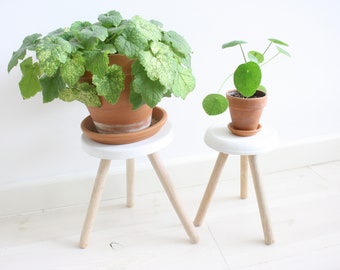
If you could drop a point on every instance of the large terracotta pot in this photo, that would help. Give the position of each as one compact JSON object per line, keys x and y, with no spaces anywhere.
{"x":120,"y":117}
{"x":246,"y":112}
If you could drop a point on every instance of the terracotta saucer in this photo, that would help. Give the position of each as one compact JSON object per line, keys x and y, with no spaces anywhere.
{"x":159,"y":117}
{"x":243,"y":133}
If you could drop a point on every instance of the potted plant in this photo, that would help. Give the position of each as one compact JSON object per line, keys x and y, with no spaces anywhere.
{"x":131,"y":63}
{"x":247,"y":101}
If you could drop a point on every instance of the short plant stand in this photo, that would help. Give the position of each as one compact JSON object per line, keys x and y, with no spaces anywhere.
{"x":128,"y":152}
{"x":220,"y":139}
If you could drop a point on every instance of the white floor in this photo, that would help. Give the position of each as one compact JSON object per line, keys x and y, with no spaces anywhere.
{"x":305,"y":209}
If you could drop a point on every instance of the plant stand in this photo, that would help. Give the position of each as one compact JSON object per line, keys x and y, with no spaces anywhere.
{"x":220,"y":139}
{"x":148,"y":147}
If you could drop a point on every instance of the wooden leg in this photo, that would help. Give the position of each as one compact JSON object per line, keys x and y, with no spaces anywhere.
{"x":94,"y":202}
{"x":221,"y":159}
{"x":265,"y":219}
{"x":130,"y":175}
{"x":244,"y":177}
{"x":170,"y":191}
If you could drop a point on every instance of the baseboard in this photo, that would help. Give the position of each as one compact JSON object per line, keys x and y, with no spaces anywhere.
{"x":70,"y":190}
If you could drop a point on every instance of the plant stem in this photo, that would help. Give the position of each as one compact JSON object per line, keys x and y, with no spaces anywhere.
{"x":244,"y":57}
{"x":219,"y":90}
{"x":270,"y":59}
{"x":267,"y":48}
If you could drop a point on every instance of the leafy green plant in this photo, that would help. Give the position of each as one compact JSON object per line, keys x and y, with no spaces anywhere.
{"x":246,"y":77}
{"x":161,"y":67}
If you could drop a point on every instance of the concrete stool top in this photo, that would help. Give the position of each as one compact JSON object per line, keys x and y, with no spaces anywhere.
{"x":219,"y":138}
{"x":126,"y":151}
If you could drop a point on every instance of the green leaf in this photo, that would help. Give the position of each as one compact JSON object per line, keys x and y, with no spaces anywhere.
{"x":159,"y":64}
{"x":279,"y":42}
{"x":73,"y":69}
{"x":177,"y":42}
{"x":97,"y":62}
{"x":111,"y":85}
{"x":151,"y":91}
{"x":283,"y":51}
{"x":262,"y":88}
{"x":52,"y":51}
{"x":233,"y":43}
{"x":27,"y":44}
{"x":136,"y":36}
{"x":247,"y":78}
{"x":51,"y":86}
{"x":136,"y":100}
{"x":256,"y":57}
{"x":29,"y":84}
{"x":214,"y":104}
{"x":83,"y":92}
{"x":184,"y":82}
{"x":110,"y":19}
{"x":95,"y":31}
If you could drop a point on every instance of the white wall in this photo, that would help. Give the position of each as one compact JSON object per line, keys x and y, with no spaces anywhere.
{"x":41,"y":141}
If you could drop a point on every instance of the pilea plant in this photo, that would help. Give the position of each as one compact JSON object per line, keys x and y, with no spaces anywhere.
{"x":247,"y":76}
{"x":161,"y":65}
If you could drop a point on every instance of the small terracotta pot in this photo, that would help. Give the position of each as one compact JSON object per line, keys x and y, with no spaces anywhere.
{"x":246,"y":112}
{"x":120,"y":117}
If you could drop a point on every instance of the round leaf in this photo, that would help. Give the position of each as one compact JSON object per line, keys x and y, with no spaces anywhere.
{"x":247,"y":78}
{"x":215,"y":104}
{"x":276,"y":41}
{"x":233,"y":43}
{"x":256,"y":57}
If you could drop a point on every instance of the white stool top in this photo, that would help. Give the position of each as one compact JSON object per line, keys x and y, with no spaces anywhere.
{"x":219,"y":138}
{"x":125,"y":151}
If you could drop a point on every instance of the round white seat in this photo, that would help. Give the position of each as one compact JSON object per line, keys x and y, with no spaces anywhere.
{"x":219,"y":138}
{"x":126,"y":151}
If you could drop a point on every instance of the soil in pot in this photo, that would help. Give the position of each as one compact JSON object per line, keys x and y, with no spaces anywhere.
{"x":120,"y":117}
{"x":246,"y":112}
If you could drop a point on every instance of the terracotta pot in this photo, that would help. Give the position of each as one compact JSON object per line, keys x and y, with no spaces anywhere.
{"x":246,"y":112}
{"x":120,"y":117}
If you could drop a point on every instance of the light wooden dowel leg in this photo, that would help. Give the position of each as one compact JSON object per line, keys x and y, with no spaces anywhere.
{"x":130,"y":175}
{"x":244,"y":177}
{"x":215,"y":175}
{"x":261,"y":201}
{"x":170,"y":191}
{"x":97,"y":191}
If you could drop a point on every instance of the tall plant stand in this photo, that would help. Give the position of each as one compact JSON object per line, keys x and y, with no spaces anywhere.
{"x":220,"y":139}
{"x":128,"y":152}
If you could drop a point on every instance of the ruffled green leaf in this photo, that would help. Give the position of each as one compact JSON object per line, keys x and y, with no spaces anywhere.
{"x":97,"y":62}
{"x":159,"y":64}
{"x":184,"y":82}
{"x":73,"y":69}
{"x":29,"y":84}
{"x":51,"y":86}
{"x":150,"y":91}
{"x":27,"y":44}
{"x":215,"y":104}
{"x":111,"y":85}
{"x":82,"y":92}
{"x":110,"y":19}
{"x":52,"y":52}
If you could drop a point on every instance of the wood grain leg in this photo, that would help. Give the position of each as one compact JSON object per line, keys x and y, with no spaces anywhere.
{"x":244,"y":177}
{"x":97,"y":191}
{"x":170,"y":191}
{"x":130,"y":175}
{"x":215,"y":175}
{"x":261,"y":201}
